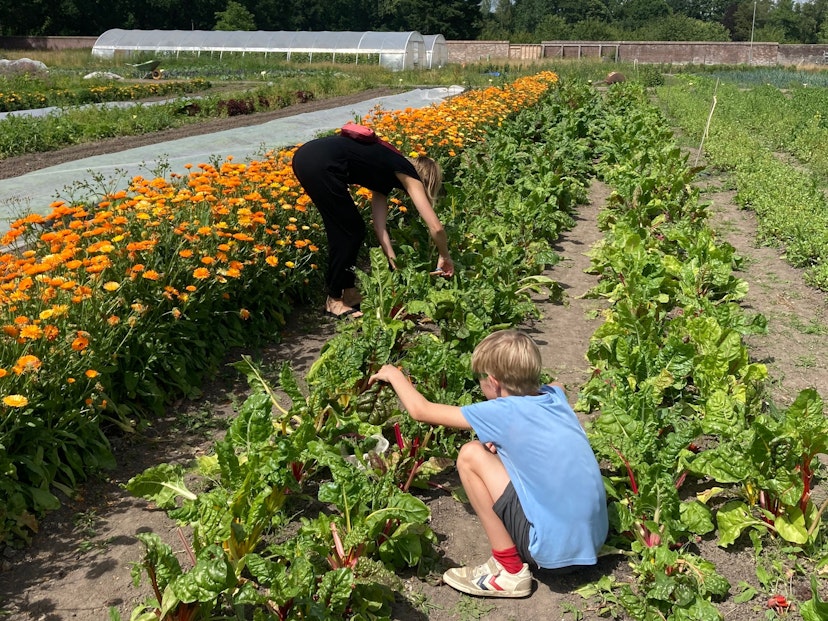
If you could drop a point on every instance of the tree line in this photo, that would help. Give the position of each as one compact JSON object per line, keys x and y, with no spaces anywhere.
{"x":519,"y":21}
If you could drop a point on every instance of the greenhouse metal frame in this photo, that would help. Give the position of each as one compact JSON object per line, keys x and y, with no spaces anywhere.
{"x":436,"y":50}
{"x":395,"y":50}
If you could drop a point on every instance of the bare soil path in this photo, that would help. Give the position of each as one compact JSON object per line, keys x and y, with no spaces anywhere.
{"x":78,"y":566}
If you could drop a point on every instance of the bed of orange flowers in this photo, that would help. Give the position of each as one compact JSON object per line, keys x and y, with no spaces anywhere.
{"x":108,"y":310}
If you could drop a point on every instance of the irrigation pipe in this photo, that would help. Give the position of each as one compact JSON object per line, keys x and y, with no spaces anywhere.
{"x":707,"y":127}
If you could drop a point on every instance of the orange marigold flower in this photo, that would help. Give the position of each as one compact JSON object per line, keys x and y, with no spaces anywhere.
{"x":113,"y":320}
{"x":50,"y":332}
{"x":11,"y":331}
{"x":201,"y":273}
{"x":16,"y":401}
{"x":185,"y":254}
{"x":151,"y":275}
{"x":81,"y":341}
{"x":26,"y":364}
{"x":90,"y":373}
{"x":272,"y":261}
{"x":3,"y":373}
{"x":244,"y":313}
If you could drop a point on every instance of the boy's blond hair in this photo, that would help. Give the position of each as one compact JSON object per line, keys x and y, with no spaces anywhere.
{"x":513,"y":358}
{"x":430,"y":174}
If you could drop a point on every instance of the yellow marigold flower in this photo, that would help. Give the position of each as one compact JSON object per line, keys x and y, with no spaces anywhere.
{"x":31,"y":332}
{"x":272,"y":261}
{"x":90,"y":373}
{"x":16,"y":401}
{"x":201,"y":273}
{"x":111,"y":286}
{"x":290,"y":264}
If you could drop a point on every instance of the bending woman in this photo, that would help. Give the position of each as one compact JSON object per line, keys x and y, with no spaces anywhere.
{"x":326,"y":167}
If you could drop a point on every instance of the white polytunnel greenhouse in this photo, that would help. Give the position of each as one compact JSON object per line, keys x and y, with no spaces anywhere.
{"x":394,"y":50}
{"x":436,"y":50}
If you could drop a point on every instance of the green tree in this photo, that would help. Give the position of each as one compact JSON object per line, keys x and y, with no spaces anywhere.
{"x":235,"y":17}
{"x":594,"y":30}
{"x":740,"y":22}
{"x":786,"y":18}
{"x":527,"y":14}
{"x":681,"y":28}
{"x":552,"y":28}
{"x":638,"y":13}
{"x":454,"y":19}
{"x":813,"y":17}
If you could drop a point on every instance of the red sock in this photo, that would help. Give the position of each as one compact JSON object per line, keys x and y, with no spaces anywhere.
{"x":509,"y":558}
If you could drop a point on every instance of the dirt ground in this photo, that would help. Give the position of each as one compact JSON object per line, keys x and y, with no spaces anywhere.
{"x":78,"y":566}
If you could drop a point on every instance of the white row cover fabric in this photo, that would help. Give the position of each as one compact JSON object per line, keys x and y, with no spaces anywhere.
{"x":396,"y":50}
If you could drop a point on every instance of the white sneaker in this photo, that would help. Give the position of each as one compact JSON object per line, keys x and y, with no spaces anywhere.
{"x":490,"y":580}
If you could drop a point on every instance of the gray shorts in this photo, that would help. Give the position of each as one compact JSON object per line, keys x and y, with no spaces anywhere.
{"x":510,"y":512}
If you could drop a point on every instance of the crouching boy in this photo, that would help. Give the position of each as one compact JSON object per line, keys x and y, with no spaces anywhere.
{"x":531,"y":475}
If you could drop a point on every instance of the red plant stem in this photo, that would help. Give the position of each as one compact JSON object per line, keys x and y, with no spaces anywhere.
{"x":398,"y":435}
{"x":411,"y":474}
{"x":186,"y":547}
{"x":629,"y":471}
{"x":807,"y":476}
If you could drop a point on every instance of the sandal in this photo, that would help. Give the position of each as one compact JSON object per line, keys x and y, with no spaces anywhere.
{"x":353,"y":313}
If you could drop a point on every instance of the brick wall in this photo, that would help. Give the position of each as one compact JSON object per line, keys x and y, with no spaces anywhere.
{"x":476,"y":51}
{"x":676,"y":52}
{"x":803,"y":54}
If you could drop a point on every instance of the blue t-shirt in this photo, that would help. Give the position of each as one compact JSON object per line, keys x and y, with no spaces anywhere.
{"x":554,"y":471}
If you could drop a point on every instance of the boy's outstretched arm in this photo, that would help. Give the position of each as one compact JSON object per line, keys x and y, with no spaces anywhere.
{"x":418,"y":407}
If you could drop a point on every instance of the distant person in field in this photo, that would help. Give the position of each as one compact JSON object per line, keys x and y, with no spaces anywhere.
{"x":326,"y":167}
{"x":531,"y":475}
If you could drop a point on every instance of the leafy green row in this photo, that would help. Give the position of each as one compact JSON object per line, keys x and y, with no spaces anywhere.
{"x":676,"y":397}
{"x":747,"y":128}
{"x":324,"y":458}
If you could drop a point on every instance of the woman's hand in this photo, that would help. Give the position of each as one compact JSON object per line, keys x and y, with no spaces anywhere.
{"x":445,"y":267}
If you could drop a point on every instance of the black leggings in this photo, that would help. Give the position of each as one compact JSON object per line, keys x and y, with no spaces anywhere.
{"x":344,"y":225}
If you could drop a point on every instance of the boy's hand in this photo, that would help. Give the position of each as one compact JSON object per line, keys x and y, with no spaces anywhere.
{"x":388,"y":373}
